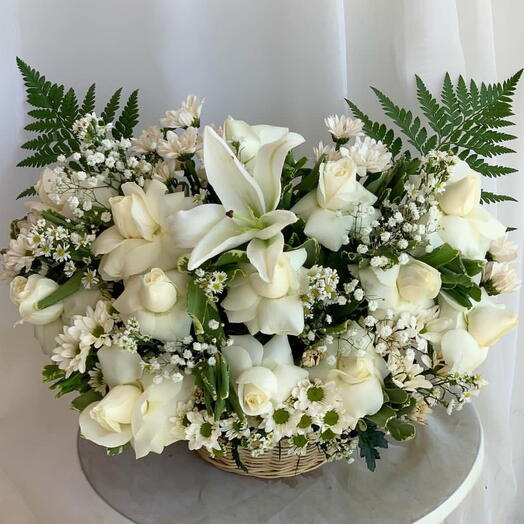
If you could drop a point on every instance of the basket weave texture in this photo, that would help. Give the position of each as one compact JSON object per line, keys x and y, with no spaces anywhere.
{"x":274,"y":463}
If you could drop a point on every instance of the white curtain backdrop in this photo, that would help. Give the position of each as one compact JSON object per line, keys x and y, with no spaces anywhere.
{"x":286,"y":62}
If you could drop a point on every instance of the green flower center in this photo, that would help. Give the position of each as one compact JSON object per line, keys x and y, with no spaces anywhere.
{"x":331,"y":418}
{"x":98,"y":331}
{"x":300,"y":441}
{"x":281,"y":416}
{"x":327,"y":435}
{"x":206,"y":429}
{"x":305,"y":422}
{"x":315,"y":394}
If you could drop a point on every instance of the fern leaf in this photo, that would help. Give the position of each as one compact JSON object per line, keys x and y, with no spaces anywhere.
{"x":128,"y":119}
{"x":109,"y":112}
{"x":492,"y":198}
{"x":88,"y":104}
{"x":433,"y":111}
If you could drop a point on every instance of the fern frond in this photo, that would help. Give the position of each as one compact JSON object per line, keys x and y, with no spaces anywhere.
{"x":88,"y":104}
{"x":492,"y":198}
{"x":109,"y":112}
{"x":128,"y":119}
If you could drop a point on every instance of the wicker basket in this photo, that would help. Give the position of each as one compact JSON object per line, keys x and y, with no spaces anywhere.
{"x":274,"y":463}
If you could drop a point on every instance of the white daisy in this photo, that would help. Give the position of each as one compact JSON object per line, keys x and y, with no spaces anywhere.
{"x":70,"y":354}
{"x":202,"y":431}
{"x":315,"y":398}
{"x":335,"y":420}
{"x":233,"y":427}
{"x":188,"y":114}
{"x":95,"y":327}
{"x":282,"y":422}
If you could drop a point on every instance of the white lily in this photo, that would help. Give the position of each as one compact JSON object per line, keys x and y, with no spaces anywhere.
{"x":249,"y":199}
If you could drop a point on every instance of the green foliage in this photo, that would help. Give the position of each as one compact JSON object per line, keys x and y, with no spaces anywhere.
{"x":203,"y":312}
{"x":491,"y":198}
{"x":369,"y":439}
{"x":68,"y":288}
{"x":83,"y":400}
{"x":55,"y":110}
{"x":401,"y":430}
{"x":118,"y":450}
{"x":128,"y":119}
{"x":30,"y":191}
{"x":466,"y":121}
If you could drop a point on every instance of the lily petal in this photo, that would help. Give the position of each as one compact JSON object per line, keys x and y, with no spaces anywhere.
{"x":235,"y":187}
{"x":224,"y":235}
{"x":277,"y":351}
{"x":264,"y":255}
{"x":268,"y":166}
{"x":328,"y":228}
{"x":288,"y":376}
{"x":281,"y":316}
{"x":274,"y":222}
{"x":119,"y":366}
{"x":188,"y":227}
{"x":252,"y":346}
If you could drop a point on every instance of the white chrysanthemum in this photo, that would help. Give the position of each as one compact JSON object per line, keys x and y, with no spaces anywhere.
{"x":343,"y":127}
{"x":95,"y":327}
{"x":500,"y":278}
{"x":329,"y":151}
{"x":188,"y":114}
{"x":166,"y":170}
{"x":335,"y":420}
{"x":282,"y":422}
{"x":148,"y":140}
{"x":18,"y":257}
{"x":370,"y":155}
{"x":70,"y":354}
{"x":96,"y":379}
{"x":175,"y":146}
{"x":315,"y":398}
{"x":503,"y":250}
{"x":202,"y":431}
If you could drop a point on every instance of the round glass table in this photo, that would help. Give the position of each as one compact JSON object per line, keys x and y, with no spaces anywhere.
{"x":421,"y":481}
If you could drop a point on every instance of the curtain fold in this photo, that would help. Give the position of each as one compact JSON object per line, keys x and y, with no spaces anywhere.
{"x":292,"y":63}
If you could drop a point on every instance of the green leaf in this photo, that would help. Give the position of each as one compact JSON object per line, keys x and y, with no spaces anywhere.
{"x":440,"y":256}
{"x":118,"y":450}
{"x":233,"y":256}
{"x":491,"y":198}
{"x":88,"y":105}
{"x":400,"y":430}
{"x":109,"y":112}
{"x":436,"y":115}
{"x":30,"y":191}
{"x":66,"y":289}
{"x":312,"y":248}
{"x":82,"y":401}
{"x":52,"y":372}
{"x":368,"y":441}
{"x":236,"y":456}
{"x":473,"y":267}
{"x":124,"y":126}
{"x":310,"y":180}
{"x":382,"y":417}
{"x":396,"y":396}
{"x":203,"y":312}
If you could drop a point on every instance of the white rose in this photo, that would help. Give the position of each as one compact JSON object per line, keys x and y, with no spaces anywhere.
{"x":263,"y":375}
{"x":139,"y":240}
{"x":157,"y":300}
{"x":152,"y":423}
{"x":357,"y":371}
{"x":465,"y":346}
{"x":462,"y":193}
{"x":339,"y":204}
{"x":410,"y":288}
{"x":119,"y":366}
{"x":487,"y":323}
{"x":108,"y":421}
{"x":27,"y":292}
{"x":418,"y":281}
{"x":273,"y":307}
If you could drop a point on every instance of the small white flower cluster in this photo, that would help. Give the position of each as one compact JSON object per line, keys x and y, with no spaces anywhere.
{"x":407,"y":222}
{"x":129,"y":336}
{"x":178,"y":359}
{"x":455,"y":390}
{"x":322,"y":289}
{"x":212,"y":283}
{"x":61,"y":245}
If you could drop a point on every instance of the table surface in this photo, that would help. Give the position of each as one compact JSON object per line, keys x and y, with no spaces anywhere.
{"x":41,"y":480}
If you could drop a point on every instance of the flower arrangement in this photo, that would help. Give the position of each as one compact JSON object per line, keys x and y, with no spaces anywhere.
{"x":203,"y":285}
